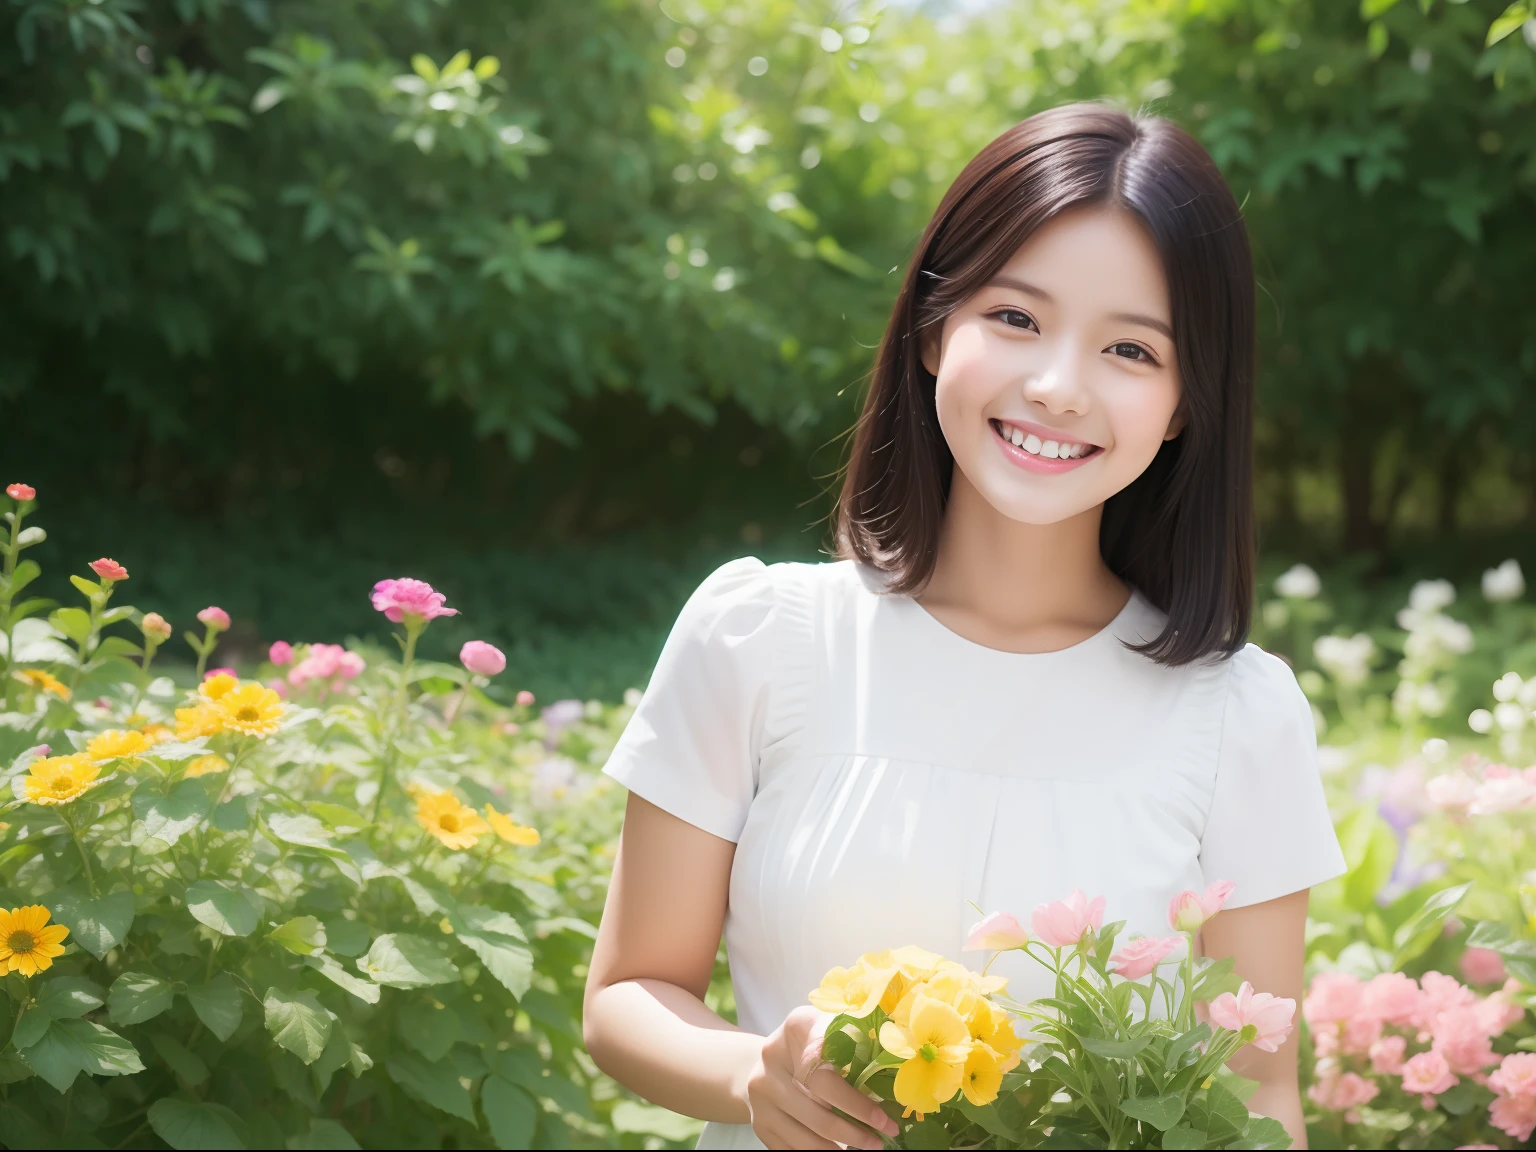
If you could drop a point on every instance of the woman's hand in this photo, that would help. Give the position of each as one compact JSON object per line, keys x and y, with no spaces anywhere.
{"x":790,"y":1092}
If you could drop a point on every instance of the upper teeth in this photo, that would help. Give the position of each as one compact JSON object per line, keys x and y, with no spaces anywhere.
{"x":1050,"y":449}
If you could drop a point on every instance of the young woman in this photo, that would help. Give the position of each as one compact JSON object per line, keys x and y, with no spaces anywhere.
{"x":1026,"y":673}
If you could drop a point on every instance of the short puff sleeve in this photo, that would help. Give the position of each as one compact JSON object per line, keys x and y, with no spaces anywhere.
{"x":692,"y":745}
{"x":1268,"y":830}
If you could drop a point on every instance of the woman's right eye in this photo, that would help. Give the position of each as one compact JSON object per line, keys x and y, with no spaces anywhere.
{"x":1015,"y":318}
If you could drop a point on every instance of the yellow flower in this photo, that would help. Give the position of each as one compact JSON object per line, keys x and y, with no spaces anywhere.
{"x":510,"y":830}
{"x":28,"y":943}
{"x":116,"y":744}
{"x":157,"y":733}
{"x":42,"y":682}
{"x":982,"y":1075}
{"x":454,"y":824}
{"x":206,"y":765}
{"x":216,"y":687}
{"x":201,"y":720}
{"x":933,"y":1049}
{"x":990,"y":1025}
{"x":250,"y":709}
{"x":60,"y":779}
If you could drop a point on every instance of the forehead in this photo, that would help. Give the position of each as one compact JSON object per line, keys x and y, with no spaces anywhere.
{"x":1095,"y":256}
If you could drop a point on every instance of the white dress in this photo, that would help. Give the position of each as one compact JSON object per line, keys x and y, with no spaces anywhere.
{"x":877,"y":772}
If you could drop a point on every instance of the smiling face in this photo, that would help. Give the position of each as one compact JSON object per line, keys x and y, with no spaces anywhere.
{"x":1058,"y":379}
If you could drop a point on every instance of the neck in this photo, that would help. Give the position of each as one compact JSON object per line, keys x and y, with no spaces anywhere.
{"x":1019,"y":577}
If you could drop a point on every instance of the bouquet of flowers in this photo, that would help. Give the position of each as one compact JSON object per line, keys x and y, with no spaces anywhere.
{"x":1115,"y":1058}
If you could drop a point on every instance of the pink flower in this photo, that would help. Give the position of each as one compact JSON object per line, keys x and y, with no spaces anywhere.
{"x":1451,"y":792}
{"x":481,"y":658}
{"x":1332,"y":998}
{"x":998,"y":932}
{"x":212,"y":672}
{"x":1352,"y":1090}
{"x":279,"y":687}
{"x":525,"y":699}
{"x":281,"y":653}
{"x":156,"y":626}
{"x":1142,"y":956}
{"x":20,"y":491}
{"x":215,"y":617}
{"x":1189,"y":909}
{"x":1360,"y":1032}
{"x":1516,"y":1076}
{"x":109,"y":570}
{"x":1063,"y":923}
{"x":1269,"y":1016}
{"x":326,"y":662}
{"x":1502,"y":794}
{"x":1427,"y":1074}
{"x":1497,"y":771}
{"x":36,"y":750}
{"x":1459,"y":1036}
{"x":1441,"y":993}
{"x":412,"y":601}
{"x":1482,"y":966}
{"x":1499,"y":1011}
{"x":1514,"y":1115}
{"x":1387,"y":1055}
{"x":1393,"y":997}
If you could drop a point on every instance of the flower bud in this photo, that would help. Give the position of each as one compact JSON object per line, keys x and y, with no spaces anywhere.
{"x":482,"y":659}
{"x":525,"y":699}
{"x":156,"y":627}
{"x":216,"y":618}
{"x":281,"y":653}
{"x":109,"y":570}
{"x":21,"y":491}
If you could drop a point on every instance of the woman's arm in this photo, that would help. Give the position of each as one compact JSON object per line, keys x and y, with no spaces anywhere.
{"x":645,"y":1020}
{"x":1267,"y":945}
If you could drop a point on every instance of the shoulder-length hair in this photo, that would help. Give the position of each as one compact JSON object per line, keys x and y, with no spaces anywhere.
{"x":1182,"y":532}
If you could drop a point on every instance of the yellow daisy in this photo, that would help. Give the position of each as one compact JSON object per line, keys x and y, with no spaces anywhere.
{"x":454,"y":824}
{"x":158,"y":733}
{"x":206,"y":766}
{"x":510,"y":830}
{"x":28,"y":943}
{"x":202,"y":720}
{"x":116,"y":744}
{"x":218,"y":686}
{"x":250,"y":709}
{"x":60,"y":779}
{"x":42,"y":682}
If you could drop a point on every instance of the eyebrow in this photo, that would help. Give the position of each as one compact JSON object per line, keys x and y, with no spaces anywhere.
{"x":1041,"y":294}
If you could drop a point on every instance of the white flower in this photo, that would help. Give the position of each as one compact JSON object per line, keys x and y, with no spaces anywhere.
{"x":1502,"y":794}
{"x":1431,"y":700}
{"x":1481,"y":720}
{"x":1509,"y":716}
{"x":1431,"y":595}
{"x":1507,"y":686}
{"x":1346,"y":658}
{"x":1506,"y":582}
{"x":1435,"y":749}
{"x":1527,"y":695}
{"x":1298,"y":582}
{"x":1275,"y":614}
{"x":1451,"y":792}
{"x":632,"y":697}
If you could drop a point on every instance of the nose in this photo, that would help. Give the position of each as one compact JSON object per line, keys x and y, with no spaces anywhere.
{"x":1058,"y":385}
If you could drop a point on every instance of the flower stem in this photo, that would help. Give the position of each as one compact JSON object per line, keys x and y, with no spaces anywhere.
{"x":397,"y":718}
{"x":85,"y":857}
{"x":5,"y":605}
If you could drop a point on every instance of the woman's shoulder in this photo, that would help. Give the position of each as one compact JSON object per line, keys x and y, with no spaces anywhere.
{"x":748,"y":583}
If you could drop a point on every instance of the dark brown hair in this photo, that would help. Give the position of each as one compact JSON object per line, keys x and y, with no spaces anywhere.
{"x":1181,"y":532}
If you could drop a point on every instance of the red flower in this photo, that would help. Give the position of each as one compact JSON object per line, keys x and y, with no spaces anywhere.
{"x":109,"y":570}
{"x":21,"y":491}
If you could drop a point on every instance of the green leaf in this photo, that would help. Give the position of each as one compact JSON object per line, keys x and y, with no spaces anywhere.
{"x":137,"y":996}
{"x":1115,"y":1049}
{"x":1370,"y":9}
{"x":500,"y":943}
{"x":303,"y":935}
{"x":304,"y":830}
{"x":1264,"y":1132}
{"x":1514,"y":16}
{"x":1377,"y":38}
{"x":1419,"y":931}
{"x":1227,"y":1116}
{"x":512,"y":1114}
{"x":345,"y":937}
{"x":400,"y":960}
{"x":97,"y":924}
{"x":1213,"y":977}
{"x":429,"y":1028}
{"x":30,"y":1029}
{"x":1370,"y":850}
{"x":65,"y":997}
{"x":88,"y":588}
{"x":1162,"y":1112}
{"x":434,"y":1084}
{"x":218,"y":1005}
{"x":181,"y":1060}
{"x":169,"y":817}
{"x":298,"y":1022}
{"x":70,"y":1047}
{"x":74,"y":623}
{"x":184,"y":1124}
{"x":323,"y":1134}
{"x":230,"y":911}
{"x":328,"y":967}
{"x":1184,"y":1137}
{"x":1182,"y":1044}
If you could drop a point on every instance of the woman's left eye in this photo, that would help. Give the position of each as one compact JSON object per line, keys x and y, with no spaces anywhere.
{"x":1132,"y":352}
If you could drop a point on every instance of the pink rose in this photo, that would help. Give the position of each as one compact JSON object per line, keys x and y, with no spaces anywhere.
{"x":1142,"y":956}
{"x":281,"y":653}
{"x":1332,"y":997}
{"x":215,"y":617}
{"x":329,"y":662}
{"x":1063,"y":923}
{"x":1501,"y":794}
{"x":109,"y":570}
{"x":1353,"y":1090}
{"x":1387,"y":1055}
{"x":1189,"y":909}
{"x":349,"y":665}
{"x":1360,"y":1033}
{"x":1441,"y":993}
{"x":481,"y":658}
{"x":998,"y":932}
{"x":1269,"y":1016}
{"x":1427,"y":1074}
{"x":525,"y":699}
{"x":413,"y":601}
{"x":1514,"y":1115}
{"x":1515,"y":1076}
{"x":21,"y":491}
{"x":1499,"y":1011}
{"x":1451,"y":792}
{"x":1459,"y":1037}
{"x":1393,"y":997}
{"x":1482,"y":966}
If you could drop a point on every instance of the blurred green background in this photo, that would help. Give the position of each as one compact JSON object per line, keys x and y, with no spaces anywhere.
{"x":559,"y":303}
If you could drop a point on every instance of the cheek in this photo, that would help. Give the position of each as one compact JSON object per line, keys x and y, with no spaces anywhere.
{"x":967,"y":382}
{"x":1139,"y":415}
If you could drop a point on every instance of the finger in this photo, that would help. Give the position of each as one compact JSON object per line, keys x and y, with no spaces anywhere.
{"x":784,"y":1131}
{"x":828,"y":1086}
{"x":820,"y":1119}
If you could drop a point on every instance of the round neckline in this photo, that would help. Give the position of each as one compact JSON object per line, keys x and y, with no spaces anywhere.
{"x":947,"y":634}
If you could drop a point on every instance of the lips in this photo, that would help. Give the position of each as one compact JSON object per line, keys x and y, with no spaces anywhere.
{"x":1040,"y":445}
